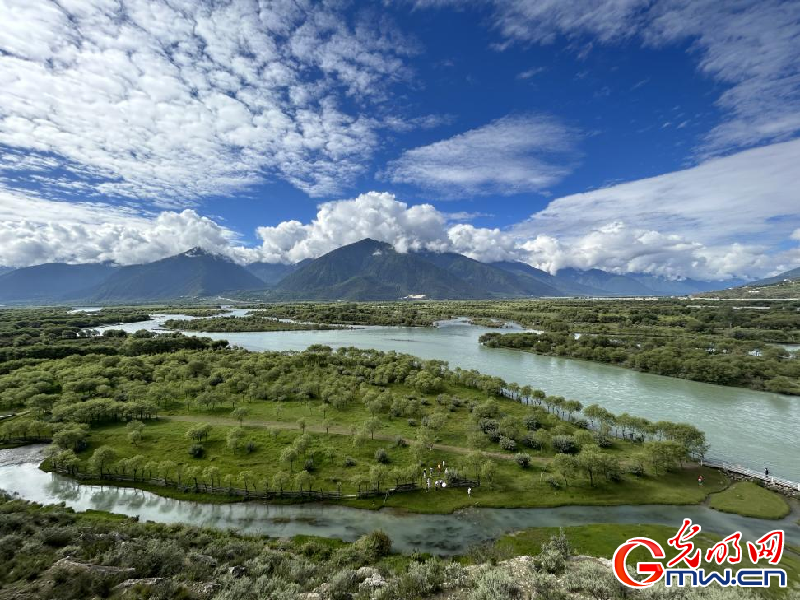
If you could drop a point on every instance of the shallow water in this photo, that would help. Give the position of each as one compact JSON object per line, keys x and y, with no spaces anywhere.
{"x":755,"y":429}
{"x":437,"y":534}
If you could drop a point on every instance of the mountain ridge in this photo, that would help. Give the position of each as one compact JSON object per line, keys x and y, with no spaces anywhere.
{"x":365,"y":270}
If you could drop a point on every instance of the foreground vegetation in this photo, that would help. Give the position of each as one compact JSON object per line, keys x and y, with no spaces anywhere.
{"x":52,"y":552}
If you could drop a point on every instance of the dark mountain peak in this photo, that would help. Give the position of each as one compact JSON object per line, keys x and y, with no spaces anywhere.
{"x":200,"y":252}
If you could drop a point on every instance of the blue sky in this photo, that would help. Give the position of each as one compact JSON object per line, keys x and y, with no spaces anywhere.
{"x":629,"y":135}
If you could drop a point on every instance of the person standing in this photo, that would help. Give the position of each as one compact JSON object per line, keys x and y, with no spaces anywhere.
{"x":469,"y":492}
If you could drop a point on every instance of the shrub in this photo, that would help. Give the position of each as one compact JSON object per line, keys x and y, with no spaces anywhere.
{"x":507,"y":444}
{"x":349,"y":461}
{"x":381,"y":456}
{"x":197,"y":451}
{"x":566,"y":444}
{"x":496,"y":584}
{"x":636,"y":469}
{"x":603,"y":440}
{"x":584,"y":438}
{"x":250,"y":447}
{"x":532,"y":441}
{"x":309,"y":465}
{"x":531,"y":422}
{"x":412,"y":422}
{"x":553,"y":482}
{"x":523,"y":460}
{"x":399,"y":442}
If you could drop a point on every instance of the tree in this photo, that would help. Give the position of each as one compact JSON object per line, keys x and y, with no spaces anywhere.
{"x":194,"y":474}
{"x":72,"y":437}
{"x":135,"y":437}
{"x":301,"y":424}
{"x":303,"y":480}
{"x":377,"y":474}
{"x":567,"y":465}
{"x":101,"y":460}
{"x":371,"y":425}
{"x":165,"y":469}
{"x":247,"y":477}
{"x":289,"y":455}
{"x":235,"y":439}
{"x":280,"y":480}
{"x":211,"y":474}
{"x":488,"y":470}
{"x":199,"y":432}
{"x":240,"y":414}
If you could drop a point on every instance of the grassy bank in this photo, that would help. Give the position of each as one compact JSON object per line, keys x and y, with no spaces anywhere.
{"x":750,"y":500}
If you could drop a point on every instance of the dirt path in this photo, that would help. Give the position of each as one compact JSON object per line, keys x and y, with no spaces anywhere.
{"x":334,"y":429}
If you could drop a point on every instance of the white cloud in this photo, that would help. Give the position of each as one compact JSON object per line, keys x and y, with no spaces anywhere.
{"x":751,"y":48}
{"x":727,"y":217}
{"x":510,"y":155}
{"x":35,"y":230}
{"x":372,"y":215}
{"x":750,"y":196}
{"x":171,"y":101}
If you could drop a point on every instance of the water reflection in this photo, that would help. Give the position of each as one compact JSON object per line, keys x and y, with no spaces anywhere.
{"x":438,"y":534}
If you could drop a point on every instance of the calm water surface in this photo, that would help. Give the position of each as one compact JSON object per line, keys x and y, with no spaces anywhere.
{"x":437,"y":534}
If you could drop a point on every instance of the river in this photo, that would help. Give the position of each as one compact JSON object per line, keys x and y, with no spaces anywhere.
{"x":755,"y":429}
{"x":438,"y":534}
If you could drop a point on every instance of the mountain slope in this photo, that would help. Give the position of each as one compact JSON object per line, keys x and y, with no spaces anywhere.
{"x":195,"y":273}
{"x":563,"y":287}
{"x":786,"y":275}
{"x":272,"y":273}
{"x":488,"y":277}
{"x":371,"y":270}
{"x":51,"y":281}
{"x":610,"y":283}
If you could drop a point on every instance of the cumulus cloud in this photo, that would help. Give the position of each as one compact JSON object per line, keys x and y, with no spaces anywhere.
{"x":35,"y":230}
{"x":751,"y":48}
{"x":175,"y":100}
{"x":750,"y":196}
{"x":521,"y":153}
{"x":372,"y":215}
{"x":714,"y":221}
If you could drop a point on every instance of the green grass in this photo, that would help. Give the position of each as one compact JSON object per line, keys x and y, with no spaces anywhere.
{"x":750,"y":500}
{"x":512,"y":487}
{"x":602,"y":540}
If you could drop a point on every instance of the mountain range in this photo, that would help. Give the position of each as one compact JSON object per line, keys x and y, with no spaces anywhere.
{"x":365,"y":270}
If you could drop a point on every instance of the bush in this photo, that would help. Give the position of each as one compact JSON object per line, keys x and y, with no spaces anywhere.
{"x":250,"y":447}
{"x":399,"y":442}
{"x":531,"y":422}
{"x":197,"y":451}
{"x":507,"y":444}
{"x":349,"y":461}
{"x":412,"y":422}
{"x":636,"y":469}
{"x":523,"y":460}
{"x":381,"y":456}
{"x":553,"y":482}
{"x":532,"y":441}
{"x":309,"y":465}
{"x":496,"y":584}
{"x":566,"y":444}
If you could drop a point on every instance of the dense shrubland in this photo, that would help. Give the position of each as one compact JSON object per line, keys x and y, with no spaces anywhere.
{"x":52,"y":552}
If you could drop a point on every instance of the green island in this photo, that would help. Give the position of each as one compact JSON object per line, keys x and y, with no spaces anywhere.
{"x":724,"y":343}
{"x":248,"y":323}
{"x":194,"y":419}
